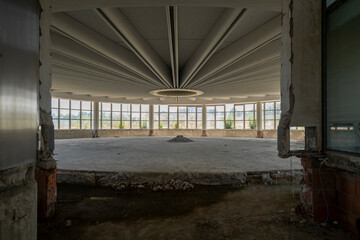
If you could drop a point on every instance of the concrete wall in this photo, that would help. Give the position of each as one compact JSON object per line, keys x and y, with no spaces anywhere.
{"x":68,"y":134}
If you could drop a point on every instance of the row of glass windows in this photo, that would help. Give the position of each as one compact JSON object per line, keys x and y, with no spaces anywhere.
{"x":72,"y":114}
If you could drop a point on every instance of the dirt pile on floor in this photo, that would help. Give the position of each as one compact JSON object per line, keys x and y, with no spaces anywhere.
{"x":180,"y":138}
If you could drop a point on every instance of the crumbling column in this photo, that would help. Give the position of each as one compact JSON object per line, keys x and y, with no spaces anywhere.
{"x":95,"y":133}
{"x":151,"y":120}
{"x":46,"y":166}
{"x":259,"y":113}
{"x":204,"y":133}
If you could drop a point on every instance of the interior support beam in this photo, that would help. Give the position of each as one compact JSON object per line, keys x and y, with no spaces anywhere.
{"x":269,"y":52}
{"x":67,"y":47}
{"x":244,"y":46}
{"x":216,"y":36}
{"x":173,"y":35}
{"x":66,"y":5}
{"x":121,"y":26}
{"x":95,"y":132}
{"x":100,"y":44}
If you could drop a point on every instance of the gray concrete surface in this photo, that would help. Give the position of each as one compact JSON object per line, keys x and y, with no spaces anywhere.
{"x":155,"y":154}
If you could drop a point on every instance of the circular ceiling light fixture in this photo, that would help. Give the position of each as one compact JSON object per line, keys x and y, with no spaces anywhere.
{"x":176,"y":92}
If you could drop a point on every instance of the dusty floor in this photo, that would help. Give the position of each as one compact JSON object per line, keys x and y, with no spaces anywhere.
{"x":252,"y":212}
{"x":155,"y":154}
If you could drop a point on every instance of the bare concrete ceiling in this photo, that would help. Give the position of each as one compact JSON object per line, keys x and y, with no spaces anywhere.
{"x":120,"y":50}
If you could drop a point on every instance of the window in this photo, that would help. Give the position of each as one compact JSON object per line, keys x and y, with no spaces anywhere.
{"x":342,"y":76}
{"x":271,"y":115}
{"x":71,"y":114}
{"x":116,"y":116}
{"x":105,"y":116}
{"x":177,"y":117}
{"x":210,"y":117}
{"x":145,"y":116}
{"x":126,"y":116}
{"x":230,"y":116}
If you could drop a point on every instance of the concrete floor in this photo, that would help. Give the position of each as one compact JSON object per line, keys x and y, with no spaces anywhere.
{"x":155,"y":154}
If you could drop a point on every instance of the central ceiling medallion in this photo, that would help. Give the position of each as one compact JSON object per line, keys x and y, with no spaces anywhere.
{"x":176,"y":92}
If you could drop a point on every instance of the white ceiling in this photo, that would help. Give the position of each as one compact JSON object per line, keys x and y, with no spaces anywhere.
{"x":120,"y":50}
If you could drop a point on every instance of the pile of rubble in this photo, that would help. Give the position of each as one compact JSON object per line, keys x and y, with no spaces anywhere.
{"x":180,"y":138}
{"x":178,"y":185}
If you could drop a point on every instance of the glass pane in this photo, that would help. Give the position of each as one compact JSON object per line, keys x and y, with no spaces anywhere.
{"x":126,"y":107}
{"x":210,"y":116}
{"x":219,"y":124}
{"x":199,"y":116}
{"x":163,"y":125}
{"x":156,"y":116}
{"x":191,"y":109}
{"x":163,"y":108}
{"x":56,"y":123}
{"x":229,"y":107}
{"x":210,"y":109}
{"x":191,"y":116}
{"x":86,"y":114}
{"x":269,"y":124}
{"x":135,"y":124}
{"x":219,"y":116}
{"x":116,"y":116}
{"x":156,"y":124}
{"x":106,"y":124}
{"x":182,"y":116}
{"x":54,"y":103}
{"x":249,"y":107}
{"x":269,"y":114}
{"x":191,"y":124}
{"x":239,"y":108}
{"x":135,"y":116}
{"x":125,"y":124}
{"x":106,"y":116}
{"x":173,"y":109}
{"x":156,"y":108}
{"x":125,"y":116}
{"x":249,"y":115}
{"x":106,"y":106}
{"x":75,"y":124}
{"x":116,"y":107}
{"x":116,"y":124}
{"x":278,"y":114}
{"x":144,"y":116}
{"x":199,"y":109}
{"x":135,"y":108}
{"x":64,"y":114}
{"x":64,"y":103}
{"x":230,"y":116}
{"x":182,"y":109}
{"x":173,"y":125}
{"x":220,"y":109}
{"x":182,"y":124}
{"x":269,"y":106}
{"x":249,"y":125}
{"x":210,"y":124}
{"x":164,"y":116}
{"x":144,"y":108}
{"x":229,"y":125}
{"x":173,"y":116}
{"x":278,"y":105}
{"x":85,"y":124}
{"x":239,"y":115}
{"x":54,"y":113}
{"x":75,"y":104}
{"x":144,"y":124}
{"x":86,"y":105}
{"x":199,"y":125}
{"x":64,"y":124}
{"x":239,"y":125}
{"x":75,"y":114}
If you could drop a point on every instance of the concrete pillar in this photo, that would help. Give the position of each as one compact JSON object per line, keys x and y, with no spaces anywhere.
{"x":46,"y":166}
{"x":204,"y":133}
{"x":151,"y":120}
{"x":95,"y":133}
{"x":259,"y":114}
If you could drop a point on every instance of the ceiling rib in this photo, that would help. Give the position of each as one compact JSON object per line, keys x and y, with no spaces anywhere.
{"x":66,"y":5}
{"x":256,"y":39}
{"x":173,"y":35}
{"x":216,"y":36}
{"x":66,"y":47}
{"x":121,"y":26}
{"x":98,"y":43}
{"x":269,"y":52}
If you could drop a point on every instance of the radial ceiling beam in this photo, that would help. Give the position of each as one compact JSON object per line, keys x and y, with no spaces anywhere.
{"x":100,"y":44}
{"x":173,"y":36}
{"x":67,"y":47}
{"x":71,"y":5}
{"x":216,"y":36}
{"x":269,"y":52}
{"x":122,"y":27}
{"x":251,"y":42}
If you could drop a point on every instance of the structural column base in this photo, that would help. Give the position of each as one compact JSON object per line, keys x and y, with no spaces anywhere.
{"x":260,"y":134}
{"x":46,"y":180}
{"x":151,"y":133}
{"x":204,"y":133}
